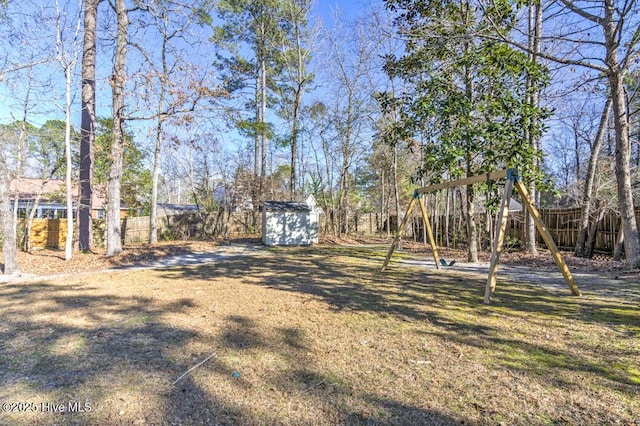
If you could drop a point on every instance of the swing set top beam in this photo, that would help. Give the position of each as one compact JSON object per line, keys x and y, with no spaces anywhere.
{"x":463,"y":182}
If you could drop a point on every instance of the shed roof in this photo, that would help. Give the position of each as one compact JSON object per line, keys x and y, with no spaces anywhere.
{"x":287,"y":206}
{"x":169,"y":209}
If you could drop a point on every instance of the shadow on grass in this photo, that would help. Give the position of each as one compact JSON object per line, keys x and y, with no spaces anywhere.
{"x":77,"y":346}
{"x":124,"y":336}
{"x":332,"y":395}
{"x":117,"y":344}
{"x":348,"y":278}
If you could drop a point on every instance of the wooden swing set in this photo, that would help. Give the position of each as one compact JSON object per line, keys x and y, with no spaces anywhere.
{"x":501,"y":225}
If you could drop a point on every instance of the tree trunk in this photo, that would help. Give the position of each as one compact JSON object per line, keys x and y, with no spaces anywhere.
{"x":342,"y":199}
{"x":488,"y":238}
{"x":68,"y":246}
{"x":9,"y":247}
{"x":382,"y":203}
{"x":617,"y":250}
{"x":263,"y":127}
{"x":576,"y":153}
{"x":535,"y":32}
{"x":256,"y":182}
{"x":332,"y":204}
{"x":587,"y":194}
{"x":87,"y":126}
{"x":593,"y":232}
{"x":622,"y":144}
{"x":472,"y":229}
{"x":14,"y":213}
{"x":447,"y":221}
{"x":155,"y":176}
{"x":256,"y":136}
{"x":461,"y":217}
{"x":22,"y":155}
{"x":297,"y":19}
{"x":637,"y":126}
{"x":623,"y":174}
{"x":294,"y":143}
{"x":396,"y":192}
{"x":118,"y":79}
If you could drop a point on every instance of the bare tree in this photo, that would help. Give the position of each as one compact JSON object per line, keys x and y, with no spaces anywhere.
{"x":350,"y":105}
{"x":604,"y":37}
{"x":295,"y":56}
{"x":118,"y":80}
{"x":176,"y":89}
{"x":587,"y":194}
{"x":22,"y":55}
{"x":67,"y":57}
{"x":9,"y":246}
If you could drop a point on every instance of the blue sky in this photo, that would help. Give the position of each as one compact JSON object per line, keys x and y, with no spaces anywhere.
{"x":47,"y":101}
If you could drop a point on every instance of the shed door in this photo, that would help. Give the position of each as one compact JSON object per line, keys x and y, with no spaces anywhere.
{"x":296,"y":229}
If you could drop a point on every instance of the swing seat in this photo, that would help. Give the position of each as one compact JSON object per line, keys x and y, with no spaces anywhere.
{"x":444,"y":262}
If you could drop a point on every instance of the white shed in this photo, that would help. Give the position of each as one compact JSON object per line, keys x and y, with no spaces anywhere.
{"x":289,"y":223}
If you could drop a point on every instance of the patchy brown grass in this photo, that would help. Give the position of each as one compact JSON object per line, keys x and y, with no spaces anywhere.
{"x":314,"y":336}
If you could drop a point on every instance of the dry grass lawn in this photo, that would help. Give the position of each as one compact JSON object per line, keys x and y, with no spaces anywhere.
{"x":313,"y":336}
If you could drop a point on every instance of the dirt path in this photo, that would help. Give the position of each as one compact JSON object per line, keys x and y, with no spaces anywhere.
{"x":613,"y":283}
{"x":216,"y":254}
{"x":622,"y":285}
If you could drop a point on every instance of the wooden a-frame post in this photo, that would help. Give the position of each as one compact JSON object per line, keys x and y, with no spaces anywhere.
{"x":513,"y":180}
{"x":417,"y":198}
{"x":498,"y":241}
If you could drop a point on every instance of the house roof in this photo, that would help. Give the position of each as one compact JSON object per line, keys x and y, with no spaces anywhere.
{"x":28,"y":188}
{"x":286,"y":206}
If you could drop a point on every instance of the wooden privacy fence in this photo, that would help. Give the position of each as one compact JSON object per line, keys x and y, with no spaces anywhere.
{"x":52,"y":233}
{"x":561,"y":223}
{"x":135,"y":230}
{"x":46,"y":232}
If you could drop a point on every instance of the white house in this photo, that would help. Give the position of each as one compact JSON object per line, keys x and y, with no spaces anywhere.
{"x":289,"y":223}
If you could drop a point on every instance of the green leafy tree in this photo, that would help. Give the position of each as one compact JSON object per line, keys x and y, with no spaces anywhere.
{"x":251,"y":25}
{"x":468,"y":95}
{"x":295,"y":57}
{"x":136,"y":178}
{"x":47,"y":149}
